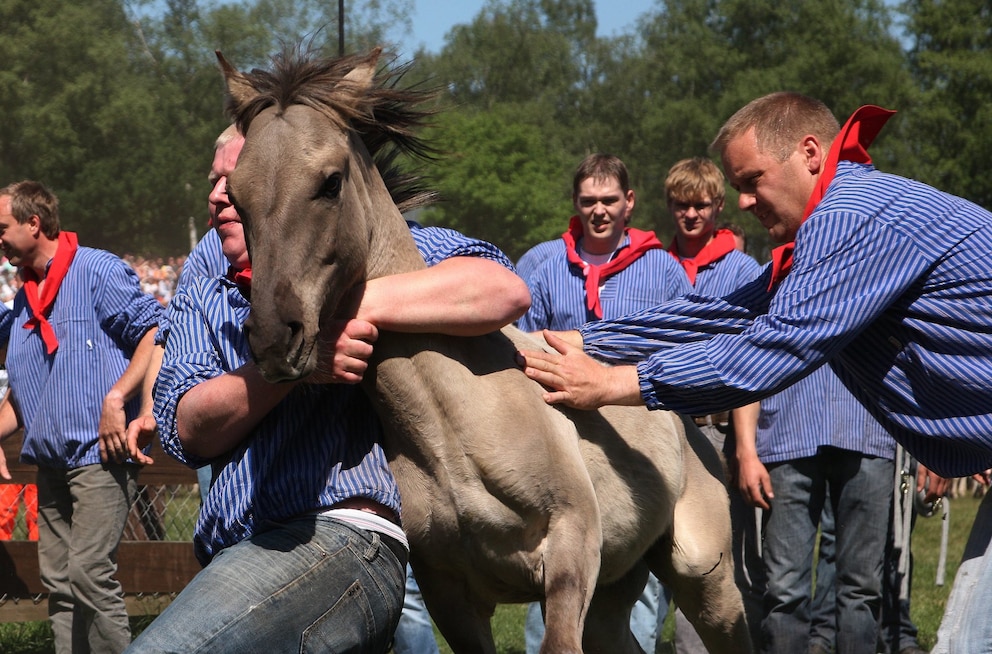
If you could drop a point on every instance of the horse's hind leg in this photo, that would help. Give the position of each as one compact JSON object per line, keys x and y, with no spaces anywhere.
{"x":608,"y":621}
{"x":695,"y":561}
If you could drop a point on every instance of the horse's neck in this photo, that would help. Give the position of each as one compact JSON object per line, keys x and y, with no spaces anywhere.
{"x":391,"y":247}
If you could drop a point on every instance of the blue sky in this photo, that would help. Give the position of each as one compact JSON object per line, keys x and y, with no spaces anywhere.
{"x":433,"y":18}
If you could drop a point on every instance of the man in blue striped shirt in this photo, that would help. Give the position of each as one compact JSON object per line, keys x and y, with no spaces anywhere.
{"x":715,"y":265}
{"x":600,"y":233}
{"x":890,"y":283}
{"x":300,"y":532}
{"x":602,"y":266}
{"x":80,"y":341}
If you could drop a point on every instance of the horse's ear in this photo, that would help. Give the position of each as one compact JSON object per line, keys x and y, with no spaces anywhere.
{"x":238,"y":88}
{"x":362,"y":75}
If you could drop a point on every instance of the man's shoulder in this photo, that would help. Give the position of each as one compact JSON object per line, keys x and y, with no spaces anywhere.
{"x":96,"y":259}
{"x":659,"y":258}
{"x":740,"y":261}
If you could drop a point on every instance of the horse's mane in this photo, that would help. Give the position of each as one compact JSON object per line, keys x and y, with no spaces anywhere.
{"x":386,"y":117}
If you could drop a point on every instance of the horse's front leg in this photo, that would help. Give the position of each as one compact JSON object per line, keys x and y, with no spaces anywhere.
{"x":462,"y":618}
{"x":571,"y":561}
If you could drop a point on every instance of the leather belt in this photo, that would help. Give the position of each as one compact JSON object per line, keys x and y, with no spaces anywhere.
{"x":714,"y":419}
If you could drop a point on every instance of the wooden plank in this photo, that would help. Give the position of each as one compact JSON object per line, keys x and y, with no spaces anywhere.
{"x":143,"y":567}
{"x":30,"y":610}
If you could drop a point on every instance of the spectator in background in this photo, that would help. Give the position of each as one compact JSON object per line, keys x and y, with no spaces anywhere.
{"x":715,"y":264}
{"x":12,"y":496}
{"x":601,"y":267}
{"x":75,"y":367}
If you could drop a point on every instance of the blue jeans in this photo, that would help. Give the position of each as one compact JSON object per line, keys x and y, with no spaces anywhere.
{"x":415,"y":632}
{"x":823,"y":621}
{"x":860,"y":493}
{"x":965,"y":627}
{"x":646,"y":618}
{"x":311,"y":584}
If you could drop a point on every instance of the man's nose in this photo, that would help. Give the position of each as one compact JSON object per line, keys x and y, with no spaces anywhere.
{"x":219,"y":191}
{"x":745,"y":201}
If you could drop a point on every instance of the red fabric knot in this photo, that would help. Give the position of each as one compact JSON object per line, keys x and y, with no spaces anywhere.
{"x":41,"y":303}
{"x":720,"y":245}
{"x":640,"y":242}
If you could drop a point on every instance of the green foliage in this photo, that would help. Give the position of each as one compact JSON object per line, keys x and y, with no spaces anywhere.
{"x":115,"y":105}
{"x":500,"y":180}
{"x":951,"y":128}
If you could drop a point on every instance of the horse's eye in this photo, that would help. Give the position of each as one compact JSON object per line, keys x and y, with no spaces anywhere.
{"x":332,"y":187}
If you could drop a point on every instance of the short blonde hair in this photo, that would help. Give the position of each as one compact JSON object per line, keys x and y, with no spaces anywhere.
{"x":779,"y":120}
{"x":228,"y":135}
{"x":693,"y":179}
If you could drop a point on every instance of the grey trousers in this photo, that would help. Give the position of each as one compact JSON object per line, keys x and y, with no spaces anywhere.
{"x":81,"y":517}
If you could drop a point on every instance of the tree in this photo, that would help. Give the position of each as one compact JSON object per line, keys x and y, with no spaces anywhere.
{"x":951,"y":128}
{"x":76,"y":115}
{"x":500,"y":180}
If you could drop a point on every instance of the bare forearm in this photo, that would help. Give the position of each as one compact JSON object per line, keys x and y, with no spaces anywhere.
{"x":215,"y":415}
{"x":131,"y":382}
{"x":745,"y":421}
{"x":462,"y":296}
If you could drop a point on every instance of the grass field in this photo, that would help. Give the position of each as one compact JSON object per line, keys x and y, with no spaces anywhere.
{"x":928,"y":599}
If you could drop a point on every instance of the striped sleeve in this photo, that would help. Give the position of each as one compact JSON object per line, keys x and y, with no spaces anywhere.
{"x":848,"y":272}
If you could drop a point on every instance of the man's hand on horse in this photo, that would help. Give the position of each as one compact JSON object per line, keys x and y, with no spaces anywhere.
{"x":345,"y":349}
{"x":576,"y":379}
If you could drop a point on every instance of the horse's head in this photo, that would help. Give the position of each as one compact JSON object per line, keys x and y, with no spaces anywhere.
{"x":310,"y":197}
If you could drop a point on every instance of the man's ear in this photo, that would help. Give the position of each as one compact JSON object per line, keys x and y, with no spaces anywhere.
{"x":813,"y":152}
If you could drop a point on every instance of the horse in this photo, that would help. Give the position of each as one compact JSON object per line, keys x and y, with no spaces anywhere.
{"x":505,"y":499}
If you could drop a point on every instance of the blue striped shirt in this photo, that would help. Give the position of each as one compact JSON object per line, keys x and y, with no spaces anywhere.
{"x":99,"y":316}
{"x":558,"y":294}
{"x":891,"y":283}
{"x":814,"y":412}
{"x":726,"y":274}
{"x":818,"y":411}
{"x":533,"y":258}
{"x":206,"y":259}
{"x":320,"y":446}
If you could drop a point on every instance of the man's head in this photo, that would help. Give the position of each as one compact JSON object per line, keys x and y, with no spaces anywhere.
{"x":603,"y":201}
{"x":695,"y":194}
{"x":29,"y":217}
{"x":773,"y":151}
{"x":223,"y":216}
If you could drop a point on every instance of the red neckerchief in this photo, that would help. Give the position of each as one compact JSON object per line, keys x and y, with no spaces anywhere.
{"x":41,"y":303}
{"x":640,"y":242}
{"x":723,"y":241}
{"x":241,"y":277}
{"x":851,"y":144}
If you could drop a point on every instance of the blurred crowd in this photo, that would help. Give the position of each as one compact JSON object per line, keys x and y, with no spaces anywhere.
{"x":158,"y":276}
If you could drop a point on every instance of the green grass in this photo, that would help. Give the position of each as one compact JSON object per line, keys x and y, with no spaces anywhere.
{"x":927,"y":607}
